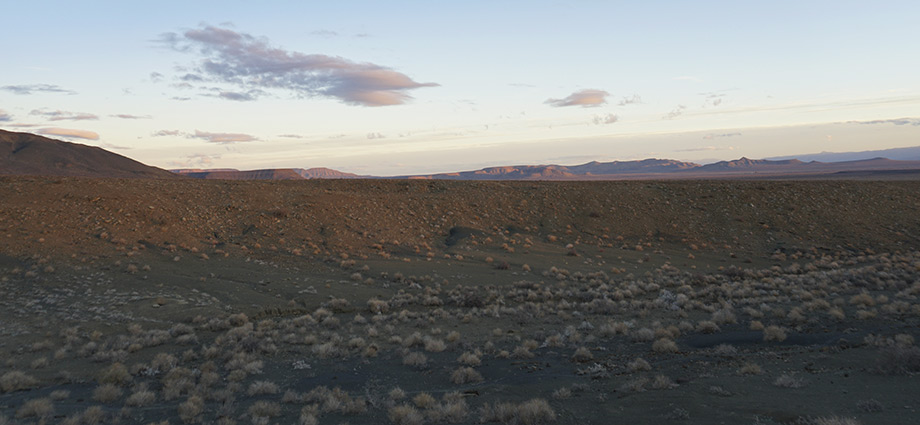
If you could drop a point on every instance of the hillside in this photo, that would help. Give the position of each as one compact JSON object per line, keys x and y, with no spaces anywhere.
{"x":30,"y":154}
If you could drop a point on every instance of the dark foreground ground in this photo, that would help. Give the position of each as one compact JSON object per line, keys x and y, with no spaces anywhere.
{"x":140,"y":301}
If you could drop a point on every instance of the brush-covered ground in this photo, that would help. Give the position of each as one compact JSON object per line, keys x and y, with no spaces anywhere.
{"x":427,"y":302}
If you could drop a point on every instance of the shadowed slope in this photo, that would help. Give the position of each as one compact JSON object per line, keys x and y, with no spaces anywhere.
{"x":29,"y":154}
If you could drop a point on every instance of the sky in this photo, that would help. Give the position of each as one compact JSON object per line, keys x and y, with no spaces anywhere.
{"x":417,"y":87}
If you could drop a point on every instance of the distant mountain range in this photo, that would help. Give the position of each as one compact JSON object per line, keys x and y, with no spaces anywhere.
{"x":901,"y":154}
{"x":268,"y":174}
{"x":30,"y":154}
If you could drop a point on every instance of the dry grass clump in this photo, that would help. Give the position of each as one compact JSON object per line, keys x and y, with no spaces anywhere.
{"x":16,"y":381}
{"x":107,"y":393}
{"x":424,"y":401}
{"x":582,"y":355}
{"x":433,"y":345}
{"x":750,"y":369}
{"x":405,"y":415}
{"x":470,"y":358}
{"x":116,"y":374}
{"x":836,"y":420}
{"x":465,"y":375}
{"x":141,"y":398}
{"x":262,"y":388}
{"x":639,"y":364}
{"x":262,"y":410}
{"x":531,"y":412}
{"x":789,"y":381}
{"x":562,"y":393}
{"x":664,"y":345}
{"x":899,"y":360}
{"x":191,"y":409}
{"x":36,"y":408}
{"x":774,"y":333}
{"x":415,"y":359}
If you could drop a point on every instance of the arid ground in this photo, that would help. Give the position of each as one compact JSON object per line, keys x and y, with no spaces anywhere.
{"x":409,"y":302}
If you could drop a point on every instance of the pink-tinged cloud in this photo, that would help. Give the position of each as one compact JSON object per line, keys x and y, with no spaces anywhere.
{"x":5,"y":117}
{"x":250,"y":64}
{"x":131,"y":117}
{"x":223,"y":137}
{"x":69,"y":132}
{"x":64,"y":115}
{"x":587,"y":98}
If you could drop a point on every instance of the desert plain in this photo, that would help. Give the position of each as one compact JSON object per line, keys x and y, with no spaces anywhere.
{"x":174,"y":301}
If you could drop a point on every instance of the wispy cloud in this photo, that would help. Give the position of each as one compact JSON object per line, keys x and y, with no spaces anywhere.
{"x":711,"y":136}
{"x":33,"y":88}
{"x":59,"y":115}
{"x":131,"y":117}
{"x":198,"y":160}
{"x":5,"y":117}
{"x":324,"y":33}
{"x":240,"y":97}
{"x":676,"y":112}
{"x":246,"y":62}
{"x":605,"y":119}
{"x":69,"y":132}
{"x":585,"y":98}
{"x":163,"y":133}
{"x":291,"y":136}
{"x":156,"y":77}
{"x":706,"y":148}
{"x":222,"y":138}
{"x":630,"y":100}
{"x":896,"y":121}
{"x":376,"y":136}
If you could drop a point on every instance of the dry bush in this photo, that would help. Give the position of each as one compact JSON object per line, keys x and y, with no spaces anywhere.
{"x":563,"y":393}
{"x":774,"y":333}
{"x":262,"y":388}
{"x":662,"y":382}
{"x":424,"y":401}
{"x":789,"y":381}
{"x":465,"y":375}
{"x":639,"y":364}
{"x":582,"y":355}
{"x":664,"y":345}
{"x":469,"y":359}
{"x":415,"y":359}
{"x":522,"y":352}
{"x":107,"y":393}
{"x":531,"y":412}
{"x":141,"y":398}
{"x":116,"y":374}
{"x":707,"y":327}
{"x":58,"y":395}
{"x":433,"y":345}
{"x":899,"y":360}
{"x":454,"y":409}
{"x":405,"y":415}
{"x":836,"y":420}
{"x":750,"y":369}
{"x":643,"y":335}
{"x":264,"y":409}
{"x":16,"y":381}
{"x":36,"y":408}
{"x":93,"y":415}
{"x":191,"y":409}
{"x":870,"y":406}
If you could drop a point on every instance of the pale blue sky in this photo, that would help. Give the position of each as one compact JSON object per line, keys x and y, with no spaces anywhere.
{"x":405,"y":87}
